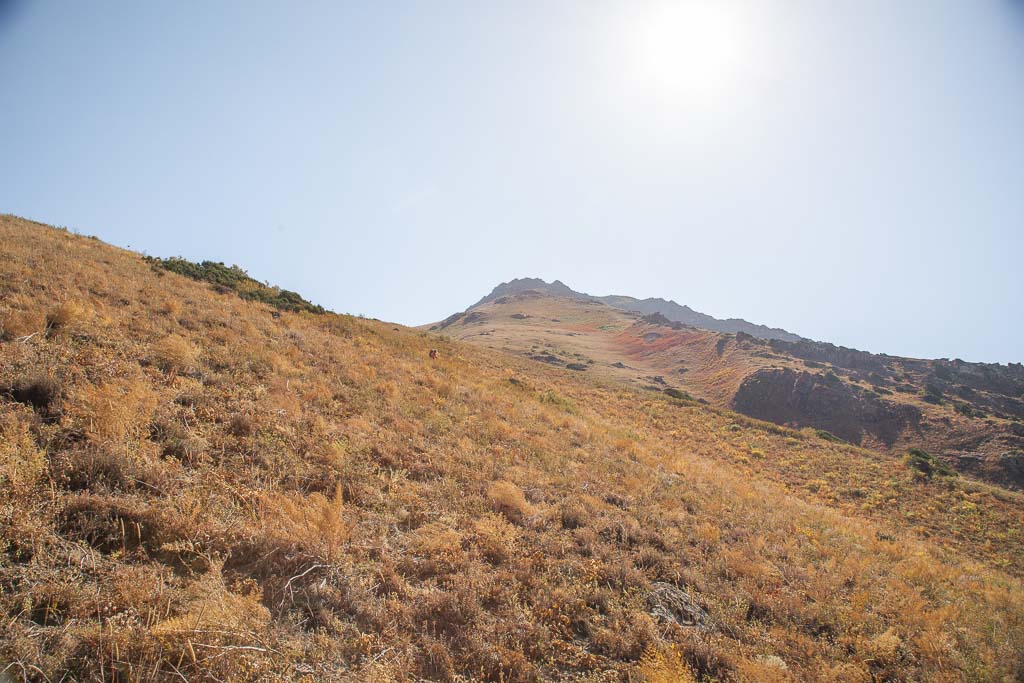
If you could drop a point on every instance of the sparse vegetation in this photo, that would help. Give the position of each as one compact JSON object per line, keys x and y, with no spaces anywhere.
{"x":308,"y":497}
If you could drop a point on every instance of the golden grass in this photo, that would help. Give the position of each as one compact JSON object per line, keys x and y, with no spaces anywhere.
{"x":313,"y":497}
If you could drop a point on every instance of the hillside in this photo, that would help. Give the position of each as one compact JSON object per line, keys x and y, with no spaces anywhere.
{"x":970,"y":415}
{"x":200,"y":484}
{"x":651,"y":306}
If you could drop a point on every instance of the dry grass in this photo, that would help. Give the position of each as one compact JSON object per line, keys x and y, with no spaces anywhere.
{"x":312,"y":497}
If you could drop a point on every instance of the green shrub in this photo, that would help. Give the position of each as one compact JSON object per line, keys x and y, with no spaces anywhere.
{"x":926,"y":464}
{"x":233,"y":278}
{"x":828,"y":436}
{"x":676,"y":393}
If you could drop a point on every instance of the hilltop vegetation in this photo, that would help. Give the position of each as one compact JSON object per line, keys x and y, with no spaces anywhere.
{"x":237,"y":280}
{"x":201,"y":486}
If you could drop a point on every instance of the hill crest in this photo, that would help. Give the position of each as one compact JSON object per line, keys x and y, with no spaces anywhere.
{"x":670,"y":309}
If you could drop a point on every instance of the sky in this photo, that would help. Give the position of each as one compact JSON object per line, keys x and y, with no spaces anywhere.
{"x":850,"y":170}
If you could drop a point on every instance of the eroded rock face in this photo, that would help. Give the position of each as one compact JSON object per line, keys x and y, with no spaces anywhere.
{"x":840,"y":356}
{"x":787,"y":396}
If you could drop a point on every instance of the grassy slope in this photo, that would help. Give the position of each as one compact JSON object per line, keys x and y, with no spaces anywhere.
{"x":203,"y":488}
{"x":715,"y":365}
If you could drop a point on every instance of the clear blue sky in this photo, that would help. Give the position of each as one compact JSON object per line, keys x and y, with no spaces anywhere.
{"x":850,"y":170}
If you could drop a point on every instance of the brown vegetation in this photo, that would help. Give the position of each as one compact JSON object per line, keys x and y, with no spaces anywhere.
{"x":308,"y":496}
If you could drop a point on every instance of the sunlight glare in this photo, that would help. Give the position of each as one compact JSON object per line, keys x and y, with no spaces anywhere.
{"x":688,"y":48}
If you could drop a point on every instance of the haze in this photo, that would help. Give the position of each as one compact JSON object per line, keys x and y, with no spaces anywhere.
{"x":850,"y":171}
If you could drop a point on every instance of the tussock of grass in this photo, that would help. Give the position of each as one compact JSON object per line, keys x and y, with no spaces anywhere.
{"x":312,"y":496}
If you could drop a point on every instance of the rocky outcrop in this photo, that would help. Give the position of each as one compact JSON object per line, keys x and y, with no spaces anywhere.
{"x":805,"y":399}
{"x":839,"y":356}
{"x":672,"y":605}
{"x":687,"y":316}
{"x":529,"y":284}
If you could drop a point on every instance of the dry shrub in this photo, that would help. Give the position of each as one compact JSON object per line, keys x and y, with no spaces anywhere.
{"x":94,"y":468}
{"x":315,"y":522}
{"x":885,"y":651}
{"x":241,"y":426}
{"x":38,"y":390}
{"x":508,"y":499}
{"x":22,"y":463}
{"x":214,"y":622}
{"x":173,"y":354}
{"x":436,"y":551}
{"x":435,"y":662}
{"x":21,"y":324}
{"x":113,"y":412}
{"x":436,"y":540}
{"x":496,"y":539}
{"x":171,"y":308}
{"x":446,"y":614}
{"x":573,"y":515}
{"x":664,"y":664}
{"x":498,"y":663}
{"x":65,"y":315}
{"x":189,"y":449}
{"x":86,"y":577}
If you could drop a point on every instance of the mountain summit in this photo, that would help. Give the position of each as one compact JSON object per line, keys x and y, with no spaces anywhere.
{"x":969,"y":414}
{"x":673,"y":311}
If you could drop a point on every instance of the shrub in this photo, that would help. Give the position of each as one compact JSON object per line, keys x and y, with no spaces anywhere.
{"x":926,"y":464}
{"x":173,"y":354}
{"x":241,"y":426}
{"x":316,"y":522}
{"x":111,"y":412}
{"x":508,"y":499}
{"x":64,"y":315}
{"x":676,"y":393}
{"x":234,"y":279}
{"x":21,"y":461}
{"x":828,"y":436}
{"x":20,"y":324}
{"x":495,"y":538}
{"x":39,"y":391}
{"x":665,"y":664}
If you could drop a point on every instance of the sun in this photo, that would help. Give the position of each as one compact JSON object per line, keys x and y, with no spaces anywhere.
{"x":687,"y":48}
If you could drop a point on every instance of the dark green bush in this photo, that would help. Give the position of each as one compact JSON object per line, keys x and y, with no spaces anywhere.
{"x":237,"y":280}
{"x":828,"y":436}
{"x":925,"y":463}
{"x":676,"y":393}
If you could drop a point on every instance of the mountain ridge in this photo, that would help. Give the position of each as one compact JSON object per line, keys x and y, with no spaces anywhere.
{"x":667,"y":307}
{"x":971,"y":415}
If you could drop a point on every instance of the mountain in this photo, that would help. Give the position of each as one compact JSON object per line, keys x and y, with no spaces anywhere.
{"x":970,"y":415}
{"x":668,"y":308}
{"x":206,"y":478}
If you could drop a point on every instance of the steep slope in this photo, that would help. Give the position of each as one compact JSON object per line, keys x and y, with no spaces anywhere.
{"x":199,"y":486}
{"x":969,"y":414}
